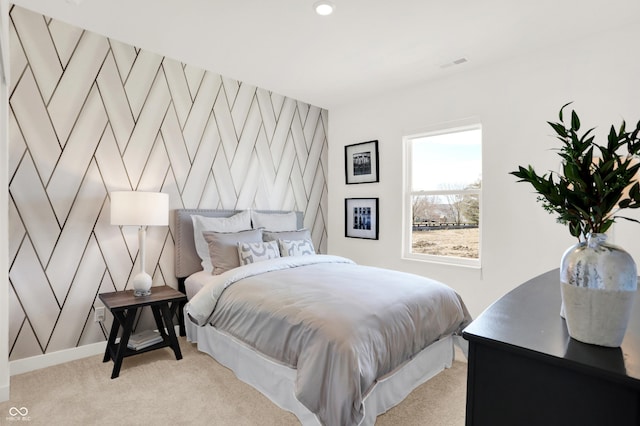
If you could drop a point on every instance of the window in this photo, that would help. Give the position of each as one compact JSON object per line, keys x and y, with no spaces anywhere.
{"x":443,"y":195}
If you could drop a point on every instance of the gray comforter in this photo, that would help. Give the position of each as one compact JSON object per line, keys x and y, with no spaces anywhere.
{"x":341,"y":325}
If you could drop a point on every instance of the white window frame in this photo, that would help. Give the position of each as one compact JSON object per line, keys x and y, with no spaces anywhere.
{"x":407,"y":219}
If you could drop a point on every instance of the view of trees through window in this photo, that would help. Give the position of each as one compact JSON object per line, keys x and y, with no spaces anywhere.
{"x":446,"y":225}
{"x":446,"y":183}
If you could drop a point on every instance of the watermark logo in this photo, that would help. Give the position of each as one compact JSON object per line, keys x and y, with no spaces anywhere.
{"x":18,"y":414}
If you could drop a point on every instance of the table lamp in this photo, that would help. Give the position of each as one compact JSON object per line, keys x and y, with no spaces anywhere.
{"x":140,"y":209}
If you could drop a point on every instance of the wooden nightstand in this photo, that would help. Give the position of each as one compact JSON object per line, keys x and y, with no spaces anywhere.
{"x":124,"y":306}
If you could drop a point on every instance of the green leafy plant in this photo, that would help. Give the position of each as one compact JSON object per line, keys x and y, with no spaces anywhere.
{"x":596,"y":182}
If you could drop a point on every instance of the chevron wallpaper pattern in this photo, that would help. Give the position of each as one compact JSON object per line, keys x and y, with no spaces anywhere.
{"x":90,"y":115}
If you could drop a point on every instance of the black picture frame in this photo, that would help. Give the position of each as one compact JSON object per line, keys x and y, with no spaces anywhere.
{"x":361,"y":219}
{"x":361,"y":163}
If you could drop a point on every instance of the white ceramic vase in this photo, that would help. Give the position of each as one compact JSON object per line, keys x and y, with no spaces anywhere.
{"x":598,"y":283}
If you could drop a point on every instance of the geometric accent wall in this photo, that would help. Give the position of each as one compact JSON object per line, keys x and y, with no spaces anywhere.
{"x":90,"y":115}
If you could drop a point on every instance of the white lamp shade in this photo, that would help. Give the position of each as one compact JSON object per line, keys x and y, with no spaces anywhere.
{"x":139,"y":208}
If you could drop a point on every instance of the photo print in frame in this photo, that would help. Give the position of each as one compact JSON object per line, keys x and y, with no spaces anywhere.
{"x":361,"y":162}
{"x":361,"y":218}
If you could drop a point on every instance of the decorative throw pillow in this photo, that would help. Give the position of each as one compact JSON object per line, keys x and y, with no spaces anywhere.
{"x":238,"y":222}
{"x":296,"y":247}
{"x":302,"y":234}
{"x":257,"y":252}
{"x":223,"y":247}
{"x":274,"y":222}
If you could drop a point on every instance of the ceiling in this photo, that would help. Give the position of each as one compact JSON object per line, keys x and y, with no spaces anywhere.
{"x":365,"y":48}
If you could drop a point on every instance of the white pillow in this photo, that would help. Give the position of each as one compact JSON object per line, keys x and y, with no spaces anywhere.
{"x":257,"y":252}
{"x":223,"y":247}
{"x":296,"y":247}
{"x":274,"y":222}
{"x":238,"y":222}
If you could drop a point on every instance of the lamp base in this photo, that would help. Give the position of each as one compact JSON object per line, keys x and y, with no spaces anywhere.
{"x":142,"y":284}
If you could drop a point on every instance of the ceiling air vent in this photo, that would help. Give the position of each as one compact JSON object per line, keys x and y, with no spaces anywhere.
{"x":454,"y":62}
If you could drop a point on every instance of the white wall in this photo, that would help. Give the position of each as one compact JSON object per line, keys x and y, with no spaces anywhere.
{"x":513,"y":100}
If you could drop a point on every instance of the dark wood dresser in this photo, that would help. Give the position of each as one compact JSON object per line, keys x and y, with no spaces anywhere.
{"x":524,"y":369}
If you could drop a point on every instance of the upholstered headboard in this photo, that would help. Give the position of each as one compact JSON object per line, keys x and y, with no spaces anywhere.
{"x":187,"y":261}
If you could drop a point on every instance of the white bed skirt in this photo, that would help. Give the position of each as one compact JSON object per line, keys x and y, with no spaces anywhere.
{"x":277,"y":381}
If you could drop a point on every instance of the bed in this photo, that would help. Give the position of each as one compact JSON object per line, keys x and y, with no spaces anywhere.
{"x":333,"y":342}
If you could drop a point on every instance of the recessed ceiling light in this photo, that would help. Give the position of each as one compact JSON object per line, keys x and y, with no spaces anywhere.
{"x":324,"y":8}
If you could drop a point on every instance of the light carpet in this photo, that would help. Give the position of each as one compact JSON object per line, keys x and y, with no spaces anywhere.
{"x":155,"y":388}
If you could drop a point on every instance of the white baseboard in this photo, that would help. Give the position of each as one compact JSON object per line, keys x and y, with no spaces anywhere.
{"x":47,"y":360}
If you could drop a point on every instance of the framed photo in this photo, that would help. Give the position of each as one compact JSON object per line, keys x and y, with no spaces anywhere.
{"x":361,"y":218}
{"x":361,"y":162}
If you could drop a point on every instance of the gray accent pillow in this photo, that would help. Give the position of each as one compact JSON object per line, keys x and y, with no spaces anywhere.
{"x":302,"y":234}
{"x":296,"y":247}
{"x":223,"y":247}
{"x":257,"y":252}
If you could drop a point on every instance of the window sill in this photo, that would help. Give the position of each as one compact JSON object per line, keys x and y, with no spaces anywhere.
{"x":444,"y":260}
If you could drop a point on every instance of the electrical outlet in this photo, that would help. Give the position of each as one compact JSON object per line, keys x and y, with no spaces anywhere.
{"x":99,"y":313}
